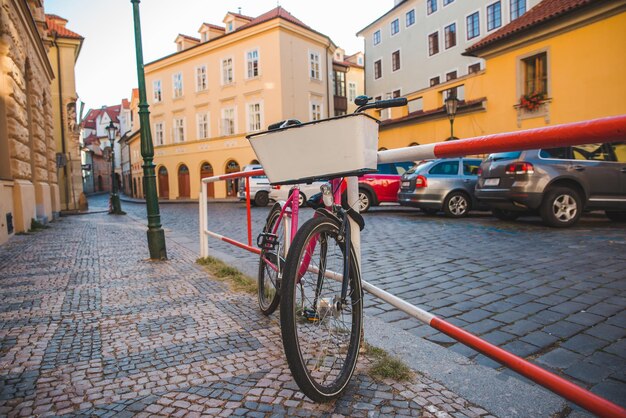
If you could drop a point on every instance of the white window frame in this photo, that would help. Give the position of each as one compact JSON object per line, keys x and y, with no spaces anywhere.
{"x":316,"y":110}
{"x":511,"y":18}
{"x":480,"y":29}
{"x":487,"y":30}
{"x":201,"y":78}
{"x":175,"y":89}
{"x":159,"y":139}
{"x":249,"y":61}
{"x":180,"y":131}
{"x":406,"y":15}
{"x":456,"y":31}
{"x":428,"y":13}
{"x":199,"y":128}
{"x":224,"y":121}
{"x":374,"y":68}
{"x":391,"y":32}
{"x":157,"y":91}
{"x":255,"y":125}
{"x":428,"y":44}
{"x":376,"y":39}
{"x":399,"y":60}
{"x":227,"y":71}
{"x":315,"y":73}
{"x":352,"y":91}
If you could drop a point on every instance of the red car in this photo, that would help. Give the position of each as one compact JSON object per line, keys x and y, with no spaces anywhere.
{"x":382,"y":186}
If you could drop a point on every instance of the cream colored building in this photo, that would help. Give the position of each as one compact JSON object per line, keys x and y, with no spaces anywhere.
{"x":232,"y":80}
{"x":28,"y":173}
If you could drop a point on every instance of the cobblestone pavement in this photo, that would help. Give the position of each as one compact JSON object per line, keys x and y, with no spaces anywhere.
{"x":556,"y":297}
{"x":88,"y":327}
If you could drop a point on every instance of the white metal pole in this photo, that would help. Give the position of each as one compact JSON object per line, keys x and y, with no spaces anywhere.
{"x":203,"y":204}
{"x":352,"y":191}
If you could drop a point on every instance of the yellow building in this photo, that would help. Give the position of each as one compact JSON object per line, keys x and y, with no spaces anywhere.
{"x":63,"y":49}
{"x":568,"y":54}
{"x":231,"y":81}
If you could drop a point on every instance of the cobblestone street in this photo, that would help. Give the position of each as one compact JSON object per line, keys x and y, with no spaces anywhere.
{"x":556,"y":297}
{"x":89,"y":327}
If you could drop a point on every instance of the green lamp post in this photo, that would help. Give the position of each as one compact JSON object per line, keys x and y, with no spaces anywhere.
{"x":115,"y":206}
{"x":156,"y":235}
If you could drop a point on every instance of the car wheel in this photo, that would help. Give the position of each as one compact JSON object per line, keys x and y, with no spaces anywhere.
{"x":365,"y":200}
{"x":429,"y":211}
{"x":456,"y":205}
{"x":261,"y":199}
{"x":561,"y":207}
{"x":505,"y":215}
{"x":616,"y":216}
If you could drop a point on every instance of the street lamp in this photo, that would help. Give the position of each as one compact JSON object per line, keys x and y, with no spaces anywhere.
{"x":116,"y":206}
{"x":156,"y":235}
{"x":452,"y":103}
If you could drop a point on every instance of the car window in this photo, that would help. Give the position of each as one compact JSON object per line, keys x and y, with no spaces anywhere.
{"x":594,"y":152}
{"x":447,"y":168}
{"x":386,"y":169}
{"x":504,"y":156}
{"x":561,"y":153}
{"x":470,"y":167}
{"x":619,"y":151}
{"x":403,"y":167}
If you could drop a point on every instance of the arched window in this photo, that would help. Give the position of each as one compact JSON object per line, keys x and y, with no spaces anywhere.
{"x":232,"y":185}
{"x":206,"y":170}
{"x":183,"y":182}
{"x":164,"y":183}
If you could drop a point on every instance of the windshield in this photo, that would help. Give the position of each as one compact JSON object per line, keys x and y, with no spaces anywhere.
{"x":504,"y":156}
{"x":417,"y":165}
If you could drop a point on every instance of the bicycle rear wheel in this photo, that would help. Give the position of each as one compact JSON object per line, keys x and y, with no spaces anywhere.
{"x":271,"y":264}
{"x":321,"y":336}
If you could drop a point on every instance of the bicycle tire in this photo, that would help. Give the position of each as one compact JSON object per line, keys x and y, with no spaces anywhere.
{"x":302,"y":337}
{"x":268,"y":280}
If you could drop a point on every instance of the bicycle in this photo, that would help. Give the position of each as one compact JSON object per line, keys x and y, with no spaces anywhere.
{"x":318,"y":284}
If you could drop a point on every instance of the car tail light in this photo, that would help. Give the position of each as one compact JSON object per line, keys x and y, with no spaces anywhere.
{"x":420,"y":181}
{"x":479,"y":172}
{"x":276,"y":187}
{"x":520,"y":168}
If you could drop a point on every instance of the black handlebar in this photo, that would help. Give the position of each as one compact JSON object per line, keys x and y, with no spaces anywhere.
{"x":383,"y":104}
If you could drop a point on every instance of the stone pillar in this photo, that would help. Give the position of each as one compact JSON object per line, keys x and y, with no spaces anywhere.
{"x":55,"y":195}
{"x":44,"y":202}
{"x":24,"y":205}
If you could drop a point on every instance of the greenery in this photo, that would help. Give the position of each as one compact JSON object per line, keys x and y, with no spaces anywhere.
{"x":236,"y":280}
{"x":385,"y":366}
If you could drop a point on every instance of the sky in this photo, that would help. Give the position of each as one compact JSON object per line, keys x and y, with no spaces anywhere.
{"x":106,"y":68}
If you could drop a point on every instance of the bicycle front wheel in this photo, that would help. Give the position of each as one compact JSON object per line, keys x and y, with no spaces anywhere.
{"x":321,"y":335}
{"x":271,"y":264}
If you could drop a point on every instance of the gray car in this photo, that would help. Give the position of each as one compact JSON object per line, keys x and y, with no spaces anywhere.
{"x":444,"y":184}
{"x":558,"y":183}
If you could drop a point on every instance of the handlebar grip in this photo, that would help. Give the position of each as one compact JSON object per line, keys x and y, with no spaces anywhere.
{"x":383,"y":104}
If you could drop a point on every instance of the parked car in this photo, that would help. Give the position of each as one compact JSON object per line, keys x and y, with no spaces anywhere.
{"x":557,"y":183}
{"x":281,"y":192}
{"x":259,"y":187}
{"x":445,"y":184}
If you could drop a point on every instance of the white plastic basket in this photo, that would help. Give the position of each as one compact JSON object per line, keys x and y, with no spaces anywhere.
{"x":337,"y":147}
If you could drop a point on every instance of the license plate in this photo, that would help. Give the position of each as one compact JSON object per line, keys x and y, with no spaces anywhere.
{"x":406,"y":183}
{"x":492,"y":182}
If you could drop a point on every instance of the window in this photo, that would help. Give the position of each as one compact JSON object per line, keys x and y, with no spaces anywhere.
{"x":205,"y":36}
{"x":227,"y":71}
{"x":228,"y":121}
{"x":494,"y":16}
{"x":619,"y":151}
{"x":201,"y":83}
{"x":395,"y":61}
{"x":451,"y":75}
{"x":561,"y":153}
{"x":518,"y":8}
{"x":177,"y":81}
{"x":470,"y":167}
{"x":340,"y":83}
{"x":157,"y":93}
{"x":316,"y":111}
{"x":434,"y":81}
{"x":535,"y":71}
{"x":378,"y":69}
{"x":158,"y":133}
{"x":376,"y":38}
{"x":179,"y":130}
{"x":446,"y":2}
{"x":592,"y":152}
{"x":447,"y":168}
{"x":396,"y":94}
{"x":351,"y":91}
{"x":314,"y":66}
{"x":395,"y":26}
{"x":433,"y":43}
{"x":450,"y":35}
{"x":473,"y":26}
{"x":359,"y":60}
{"x":410,"y":18}
{"x":474,"y":68}
{"x":252,"y":60}
{"x":202,"y":120}
{"x":431,"y":6}
{"x":254,"y":117}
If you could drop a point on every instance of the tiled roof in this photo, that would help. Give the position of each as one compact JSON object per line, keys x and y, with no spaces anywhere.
{"x":463,"y":105}
{"x":90,"y":120}
{"x":125,"y":104}
{"x":240,"y":16}
{"x":273,"y":14}
{"x":59,"y":30}
{"x":189,"y":37}
{"x":212,"y":26}
{"x":541,"y":13}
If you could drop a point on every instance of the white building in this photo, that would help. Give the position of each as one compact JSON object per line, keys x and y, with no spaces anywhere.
{"x":418,"y":43}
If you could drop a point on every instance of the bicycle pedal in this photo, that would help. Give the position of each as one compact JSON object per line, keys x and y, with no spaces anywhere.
{"x":267,"y":241}
{"x":310,"y":315}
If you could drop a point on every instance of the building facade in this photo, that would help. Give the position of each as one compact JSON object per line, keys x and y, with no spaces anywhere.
{"x":563,"y":53}
{"x":419,"y":43}
{"x":28,"y":173}
{"x":64,"y":47}
{"x":233,"y":80}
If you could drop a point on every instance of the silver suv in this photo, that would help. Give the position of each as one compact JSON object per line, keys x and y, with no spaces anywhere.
{"x":557,"y":183}
{"x":446,"y":184}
